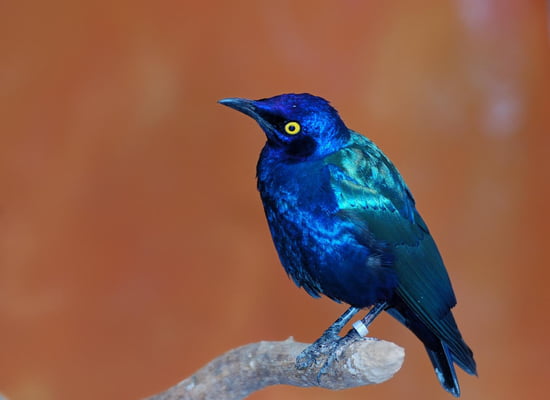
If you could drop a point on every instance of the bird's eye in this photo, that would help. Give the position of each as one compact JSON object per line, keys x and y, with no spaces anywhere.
{"x":292,"y":128}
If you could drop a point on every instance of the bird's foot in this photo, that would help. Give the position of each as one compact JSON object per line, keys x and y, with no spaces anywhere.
{"x":321,"y":347}
{"x":328,"y":347}
{"x":340,"y":346}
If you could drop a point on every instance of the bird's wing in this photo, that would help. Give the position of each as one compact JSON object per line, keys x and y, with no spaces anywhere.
{"x":372,"y":195}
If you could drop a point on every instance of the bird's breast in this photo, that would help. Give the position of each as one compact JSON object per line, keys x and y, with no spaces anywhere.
{"x":317,"y":247}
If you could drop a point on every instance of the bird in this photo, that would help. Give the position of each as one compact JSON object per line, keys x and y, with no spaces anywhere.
{"x":345,"y":225}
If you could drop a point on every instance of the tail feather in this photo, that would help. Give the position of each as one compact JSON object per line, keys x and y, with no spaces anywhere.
{"x":442,"y":362}
{"x":455,"y":347}
{"x":464,"y":358}
{"x":443,"y":343}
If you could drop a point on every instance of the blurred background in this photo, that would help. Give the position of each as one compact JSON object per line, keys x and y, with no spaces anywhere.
{"x":133,"y":246}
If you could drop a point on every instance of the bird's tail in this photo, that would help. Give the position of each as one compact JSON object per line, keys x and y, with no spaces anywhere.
{"x":442,"y":362}
{"x":444,"y":346}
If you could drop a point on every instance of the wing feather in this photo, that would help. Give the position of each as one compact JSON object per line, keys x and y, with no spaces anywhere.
{"x":373,"y":196}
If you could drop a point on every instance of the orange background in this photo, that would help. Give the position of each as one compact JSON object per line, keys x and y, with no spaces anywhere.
{"x":133,"y":246}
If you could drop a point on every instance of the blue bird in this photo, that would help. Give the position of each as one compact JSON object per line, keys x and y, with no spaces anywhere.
{"x":345,"y":225}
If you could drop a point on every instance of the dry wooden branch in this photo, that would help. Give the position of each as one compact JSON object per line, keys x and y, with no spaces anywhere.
{"x":242,"y":371}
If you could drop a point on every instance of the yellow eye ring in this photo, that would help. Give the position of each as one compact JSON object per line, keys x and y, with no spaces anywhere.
{"x":292,"y":128}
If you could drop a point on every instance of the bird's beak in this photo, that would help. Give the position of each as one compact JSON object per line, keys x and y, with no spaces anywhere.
{"x":243,"y":105}
{"x":250,"y":108}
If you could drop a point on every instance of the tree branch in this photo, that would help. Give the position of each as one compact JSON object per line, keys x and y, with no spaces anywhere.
{"x":244,"y":370}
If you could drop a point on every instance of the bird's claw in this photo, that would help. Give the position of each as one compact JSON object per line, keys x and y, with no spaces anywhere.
{"x":322,"y":346}
{"x":329,"y":347}
{"x":340,"y":346}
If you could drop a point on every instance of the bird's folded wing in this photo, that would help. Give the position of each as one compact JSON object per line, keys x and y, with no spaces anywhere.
{"x":423,"y":281}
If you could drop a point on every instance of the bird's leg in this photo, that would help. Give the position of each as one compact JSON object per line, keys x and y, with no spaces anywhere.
{"x":359,"y":331}
{"x":326,"y":343}
{"x":361,"y":327}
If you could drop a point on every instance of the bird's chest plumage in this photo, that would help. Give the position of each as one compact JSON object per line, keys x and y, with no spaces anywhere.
{"x":317,"y":247}
{"x":299,"y":208}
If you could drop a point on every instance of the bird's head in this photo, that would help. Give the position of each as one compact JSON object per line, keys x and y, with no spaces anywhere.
{"x":297,"y":126}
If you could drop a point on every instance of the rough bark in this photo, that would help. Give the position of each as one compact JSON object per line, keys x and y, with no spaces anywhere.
{"x":244,"y":370}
